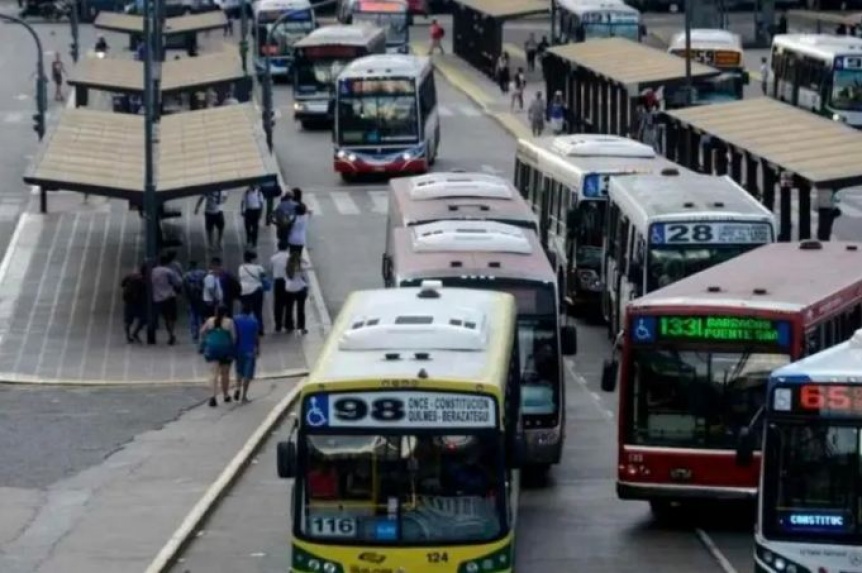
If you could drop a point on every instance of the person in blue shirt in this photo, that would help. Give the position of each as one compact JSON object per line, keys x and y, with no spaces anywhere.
{"x":247,"y":350}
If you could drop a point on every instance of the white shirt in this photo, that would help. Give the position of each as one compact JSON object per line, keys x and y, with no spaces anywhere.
{"x":212,"y":289}
{"x":252,"y":200}
{"x":278,"y":265}
{"x":213,"y":203}
{"x":298,"y":230}
{"x":250,"y":277}
{"x":297,"y":283}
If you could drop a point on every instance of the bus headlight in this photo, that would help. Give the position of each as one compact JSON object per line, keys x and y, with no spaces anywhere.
{"x":472,"y":567}
{"x":780,"y":564}
{"x":588,"y":279}
{"x":329,"y":567}
{"x":314,"y":565}
{"x":345,"y":155}
{"x":839,"y":118}
{"x":406,"y":156}
{"x":298,"y":106}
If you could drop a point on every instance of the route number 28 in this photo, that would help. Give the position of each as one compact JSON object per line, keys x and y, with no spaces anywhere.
{"x":689,"y":233}
{"x":380,"y":410}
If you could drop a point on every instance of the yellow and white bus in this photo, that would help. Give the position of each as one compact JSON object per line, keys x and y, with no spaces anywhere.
{"x":405,"y":450}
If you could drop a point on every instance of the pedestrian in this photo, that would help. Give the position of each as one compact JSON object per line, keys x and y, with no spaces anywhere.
{"x":193,"y":290}
{"x":298,"y":230}
{"x":782,"y":23}
{"x":296,"y":288}
{"x":254,"y":282}
{"x":166,"y":283}
{"x":247,"y":330}
{"x":437,"y":34}
{"x":174,"y":264}
{"x":251,"y":208}
{"x":101,"y":46}
{"x":503,"y":73}
{"x":536,"y":114}
{"x":530,"y":49}
{"x":520,"y":84}
{"x":230,"y":97}
{"x":58,"y":73}
{"x":542,"y":48}
{"x":213,"y":217}
{"x":278,"y":271}
{"x":557,"y":113}
{"x":218,"y":345}
{"x":213,"y":295}
{"x":228,"y":25}
{"x":134,"y":303}
{"x":283,"y":216}
{"x":764,"y":74}
{"x":231,"y":290}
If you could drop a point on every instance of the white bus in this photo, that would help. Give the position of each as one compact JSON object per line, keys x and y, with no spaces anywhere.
{"x":662,"y":228}
{"x":718,"y":49}
{"x":386,"y":119}
{"x":320,"y":57}
{"x":808,"y":509}
{"x":582,"y":20}
{"x":565,"y":179}
{"x":818,"y":72}
{"x":299,"y":20}
{"x":391,"y":15}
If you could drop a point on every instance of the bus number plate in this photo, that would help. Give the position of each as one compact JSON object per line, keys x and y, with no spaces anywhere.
{"x":438,"y":557}
{"x":333,"y":526}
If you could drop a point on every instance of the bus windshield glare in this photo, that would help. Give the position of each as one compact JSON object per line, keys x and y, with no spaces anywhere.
{"x":696,"y":398}
{"x":394,"y":24}
{"x":847,"y":90}
{"x":814,"y":492}
{"x":318,"y":75}
{"x":596,"y":30}
{"x":377,"y":111}
{"x":403,"y":489}
{"x":667,"y":265}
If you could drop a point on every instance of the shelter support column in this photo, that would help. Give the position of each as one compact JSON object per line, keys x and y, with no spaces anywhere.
{"x":735,"y":165}
{"x":577,"y":97}
{"x":707,"y":154}
{"x":692,"y":146}
{"x":720,"y":158}
{"x":604,"y":99}
{"x":614,"y":107}
{"x":825,"y":213}
{"x":751,"y":176}
{"x":595,"y":104}
{"x":769,"y":181}
{"x":625,"y":113}
{"x":82,"y":96}
{"x":785,"y":191}
{"x":803,"y":187}
{"x":43,"y":200}
{"x":671,"y":148}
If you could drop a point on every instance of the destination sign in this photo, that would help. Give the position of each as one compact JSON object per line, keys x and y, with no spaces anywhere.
{"x":395,"y":410}
{"x":376,"y":6}
{"x":609,"y":17}
{"x":825,"y":521}
{"x":376,"y":86}
{"x":827,"y":400}
{"x":331,"y":51}
{"x":848,"y":62}
{"x":715,"y":58}
{"x":730,"y":329}
{"x":711,"y":233}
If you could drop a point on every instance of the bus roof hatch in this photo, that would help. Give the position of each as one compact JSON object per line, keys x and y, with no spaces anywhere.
{"x":470,"y":236}
{"x":400,"y":328}
{"x":588,"y":145}
{"x":449,"y":185}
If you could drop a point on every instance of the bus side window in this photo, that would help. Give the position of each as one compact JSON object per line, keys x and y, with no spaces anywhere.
{"x":636,"y":264}
{"x":427,"y":96}
{"x":622,"y":245}
{"x":522,"y":178}
{"x":536,"y":190}
{"x":559,"y":188}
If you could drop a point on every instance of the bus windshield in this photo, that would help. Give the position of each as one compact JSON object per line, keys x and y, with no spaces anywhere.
{"x":847,"y":90}
{"x":667,"y":265}
{"x":815,"y":492}
{"x":696,"y":399}
{"x":394,"y":24}
{"x":319,"y":75}
{"x":720,"y":89}
{"x":403,"y":489}
{"x":282,"y":38}
{"x":385,"y":116}
{"x":594,"y":30}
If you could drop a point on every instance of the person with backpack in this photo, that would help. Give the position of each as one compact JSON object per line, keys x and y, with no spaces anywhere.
{"x":134,"y":288}
{"x":213,"y":295}
{"x":218,"y":341}
{"x":193,"y":289}
{"x":283,"y":216}
{"x":231,"y":290}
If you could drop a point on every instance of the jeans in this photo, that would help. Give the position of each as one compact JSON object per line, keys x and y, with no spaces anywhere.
{"x":251,"y":218}
{"x":255,"y":300}
{"x":279,"y":304}
{"x":196,"y":312}
{"x":296,"y":298}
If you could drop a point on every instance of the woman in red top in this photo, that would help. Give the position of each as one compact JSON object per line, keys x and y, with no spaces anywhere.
{"x":437,"y":34}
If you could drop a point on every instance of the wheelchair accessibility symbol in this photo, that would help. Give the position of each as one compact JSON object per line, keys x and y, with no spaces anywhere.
{"x":315,"y":416}
{"x":657,"y":235}
{"x":644,"y":329}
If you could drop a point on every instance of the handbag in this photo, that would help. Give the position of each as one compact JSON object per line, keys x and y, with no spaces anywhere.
{"x":265,"y":281}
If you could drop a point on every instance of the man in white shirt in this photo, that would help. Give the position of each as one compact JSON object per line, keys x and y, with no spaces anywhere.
{"x":251,"y":208}
{"x":213,"y":217}
{"x":213,"y":294}
{"x":278,"y":270}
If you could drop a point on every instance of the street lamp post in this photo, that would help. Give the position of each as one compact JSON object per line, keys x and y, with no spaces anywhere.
{"x":150,"y":209}
{"x":243,"y":35}
{"x":41,"y":81}
{"x":689,"y":87}
{"x":75,"y":47}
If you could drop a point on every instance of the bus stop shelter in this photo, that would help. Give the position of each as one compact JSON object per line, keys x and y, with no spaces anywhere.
{"x":821,"y":22}
{"x":477,"y":28}
{"x":182,"y":29}
{"x":102,"y":153}
{"x":602,"y":79}
{"x":220,"y":71}
{"x":762,"y":142}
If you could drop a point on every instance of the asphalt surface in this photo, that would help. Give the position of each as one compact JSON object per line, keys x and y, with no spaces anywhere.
{"x":572,"y":523}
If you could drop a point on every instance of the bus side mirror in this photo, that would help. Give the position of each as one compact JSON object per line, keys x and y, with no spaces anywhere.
{"x":745,"y":448}
{"x":386,"y":270}
{"x":746,"y":78}
{"x":609,"y":375}
{"x":569,"y":340}
{"x":286,"y":460}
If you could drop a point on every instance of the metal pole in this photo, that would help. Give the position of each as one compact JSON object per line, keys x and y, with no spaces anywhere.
{"x":553,"y":22}
{"x":243,"y":33}
{"x":150,"y":220}
{"x":75,"y":48}
{"x":41,"y":79}
{"x":267,"y":85}
{"x":689,"y":88}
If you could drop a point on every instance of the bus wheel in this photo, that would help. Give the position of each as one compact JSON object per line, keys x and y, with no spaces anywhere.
{"x":663,"y":511}
{"x":348,"y":177}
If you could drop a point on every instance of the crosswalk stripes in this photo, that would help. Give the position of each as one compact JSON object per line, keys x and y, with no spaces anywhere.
{"x":344,"y":203}
{"x":379,"y":201}
{"x":14,"y":117}
{"x":459,"y":110}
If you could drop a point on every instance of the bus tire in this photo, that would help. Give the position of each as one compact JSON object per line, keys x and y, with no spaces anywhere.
{"x":663,"y":511}
{"x":348,"y":177}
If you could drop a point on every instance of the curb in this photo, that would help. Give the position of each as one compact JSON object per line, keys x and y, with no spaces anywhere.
{"x":208,"y":502}
{"x":18,"y":379}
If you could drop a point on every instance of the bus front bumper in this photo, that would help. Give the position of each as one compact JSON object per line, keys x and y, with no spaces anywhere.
{"x":358,"y":163}
{"x":279,"y":66}
{"x":315,"y":110}
{"x":677,"y":492}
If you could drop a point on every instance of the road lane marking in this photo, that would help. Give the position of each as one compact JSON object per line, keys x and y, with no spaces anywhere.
{"x":379,"y":201}
{"x":597,"y":400}
{"x":14,"y":117}
{"x":444,"y":111}
{"x":469,"y":110}
{"x":312,"y":203}
{"x":490,"y":170}
{"x":344,"y":203}
{"x":714,"y":551}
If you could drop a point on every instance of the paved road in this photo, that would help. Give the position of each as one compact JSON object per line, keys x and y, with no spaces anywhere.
{"x":573,"y":523}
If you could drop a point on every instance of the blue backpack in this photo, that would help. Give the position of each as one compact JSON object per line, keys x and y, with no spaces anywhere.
{"x":218,"y":345}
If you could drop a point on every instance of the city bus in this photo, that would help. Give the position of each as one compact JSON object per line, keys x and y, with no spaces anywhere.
{"x":320,"y":57}
{"x":277,"y":42}
{"x":809,"y":503}
{"x":818,"y":72}
{"x":386,"y":119}
{"x":496,"y":256}
{"x":406,"y":447}
{"x":391,"y":15}
{"x":662,"y":228}
{"x":694,"y":361}
{"x":460,"y":196}
{"x":718,"y":49}
{"x":581,"y":20}
{"x":565,"y":179}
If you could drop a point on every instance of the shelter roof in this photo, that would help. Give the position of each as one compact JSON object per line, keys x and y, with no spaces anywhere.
{"x":836,"y":18}
{"x":629,"y":63}
{"x":102,"y":153}
{"x":132,"y":24}
{"x":507,"y":9}
{"x":824,"y":152}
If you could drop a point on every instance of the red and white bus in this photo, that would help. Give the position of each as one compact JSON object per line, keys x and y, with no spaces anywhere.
{"x":695,"y":357}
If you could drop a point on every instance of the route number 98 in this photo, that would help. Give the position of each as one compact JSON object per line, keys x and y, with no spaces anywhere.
{"x":380,"y":410}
